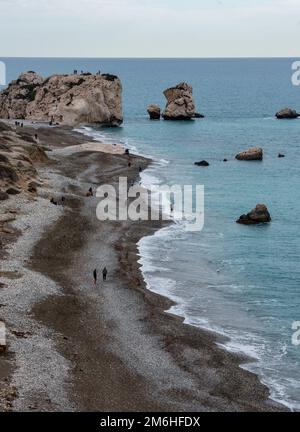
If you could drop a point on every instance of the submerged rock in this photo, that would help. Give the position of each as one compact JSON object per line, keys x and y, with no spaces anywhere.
{"x":180,"y":103}
{"x":259,"y":214}
{"x":287,"y":113}
{"x":253,"y":153}
{"x":154,"y":112}
{"x":64,"y":99}
{"x":203,"y":163}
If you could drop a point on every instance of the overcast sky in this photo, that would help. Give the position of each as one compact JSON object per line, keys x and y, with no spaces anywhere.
{"x":150,"y":28}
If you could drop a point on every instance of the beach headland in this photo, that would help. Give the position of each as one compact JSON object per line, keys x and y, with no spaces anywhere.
{"x":76,"y":347}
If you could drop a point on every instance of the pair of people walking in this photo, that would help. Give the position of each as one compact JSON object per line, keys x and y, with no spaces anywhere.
{"x":104,"y":275}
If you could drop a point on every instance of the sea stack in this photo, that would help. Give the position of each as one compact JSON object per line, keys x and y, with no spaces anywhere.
{"x":252,"y":154}
{"x":180,"y":103}
{"x":287,"y":113}
{"x":258,"y":215}
{"x":154,"y":112}
{"x":64,"y":99}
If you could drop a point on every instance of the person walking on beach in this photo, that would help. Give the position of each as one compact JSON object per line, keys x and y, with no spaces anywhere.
{"x":90,"y":192}
{"x":95,"y":276}
{"x":104,"y":273}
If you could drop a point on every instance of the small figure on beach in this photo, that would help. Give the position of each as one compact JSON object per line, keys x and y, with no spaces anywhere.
{"x":53,"y":201}
{"x":36,"y":136}
{"x":90,"y":192}
{"x":140,"y":169}
{"x":22,"y":125}
{"x":95,"y":276}
{"x":104,"y":273}
{"x":63,"y":199}
{"x":127,"y":152}
{"x":129,"y":164}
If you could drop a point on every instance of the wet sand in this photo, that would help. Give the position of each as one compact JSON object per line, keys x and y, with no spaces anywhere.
{"x":111,"y":347}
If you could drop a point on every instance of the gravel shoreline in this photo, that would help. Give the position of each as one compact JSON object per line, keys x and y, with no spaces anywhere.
{"x":109,"y":348}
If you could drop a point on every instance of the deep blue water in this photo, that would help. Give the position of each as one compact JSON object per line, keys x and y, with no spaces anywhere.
{"x":242,"y":281}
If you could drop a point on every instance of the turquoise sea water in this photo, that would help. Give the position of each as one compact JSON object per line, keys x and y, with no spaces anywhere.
{"x":241,"y":281}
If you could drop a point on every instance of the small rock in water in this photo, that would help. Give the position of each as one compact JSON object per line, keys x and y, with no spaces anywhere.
{"x":202,"y":163}
{"x":258,"y":215}
{"x":252,"y":154}
{"x":154,"y":112}
{"x":287,"y":113}
{"x":198,"y":115}
{"x":225,"y":160}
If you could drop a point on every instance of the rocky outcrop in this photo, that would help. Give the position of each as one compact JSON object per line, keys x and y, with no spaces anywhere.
{"x":287,"y":113}
{"x":154,"y":112}
{"x":3,"y":196}
{"x":257,"y":216}
{"x":180,"y":103}
{"x":252,"y":154}
{"x":65,"y":99}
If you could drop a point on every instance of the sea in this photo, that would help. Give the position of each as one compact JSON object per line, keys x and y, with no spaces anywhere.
{"x":239,"y":281}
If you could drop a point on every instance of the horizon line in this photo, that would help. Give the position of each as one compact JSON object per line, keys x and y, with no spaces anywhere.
{"x":151,"y":58}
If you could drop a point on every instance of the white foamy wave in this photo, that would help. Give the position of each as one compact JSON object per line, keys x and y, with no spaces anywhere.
{"x":237,"y":341}
{"x":105,"y":137}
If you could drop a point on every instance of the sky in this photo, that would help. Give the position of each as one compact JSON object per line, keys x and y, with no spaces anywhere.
{"x":149,"y":28}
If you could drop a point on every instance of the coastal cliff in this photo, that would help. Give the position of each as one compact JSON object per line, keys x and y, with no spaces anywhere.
{"x":19,"y":153}
{"x":65,"y":99}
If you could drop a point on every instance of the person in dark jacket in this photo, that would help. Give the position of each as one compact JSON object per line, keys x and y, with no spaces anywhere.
{"x":95,"y":276}
{"x":104,"y":273}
